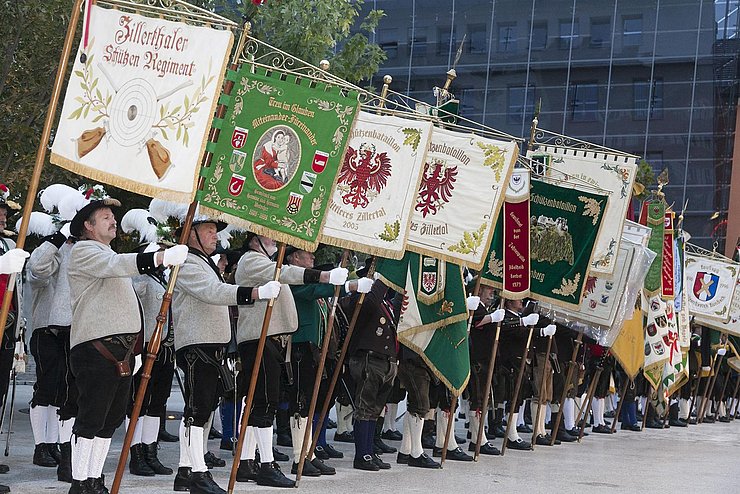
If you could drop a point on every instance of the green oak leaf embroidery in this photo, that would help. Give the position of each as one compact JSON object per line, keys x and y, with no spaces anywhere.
{"x":471,"y":241}
{"x":413,"y":137}
{"x":494,"y":158}
{"x":391,"y":232}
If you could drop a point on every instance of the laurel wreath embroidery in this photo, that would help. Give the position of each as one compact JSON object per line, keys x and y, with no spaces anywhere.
{"x":390,"y":232}
{"x":568,"y":288}
{"x":494,"y":158}
{"x":592,"y":208}
{"x":343,"y":113}
{"x":470,"y":242}
{"x":623,"y":175}
{"x":247,"y":86}
{"x":413,"y":137}
{"x":495,"y":266}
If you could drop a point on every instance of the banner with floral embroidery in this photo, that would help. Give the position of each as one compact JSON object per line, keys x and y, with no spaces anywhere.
{"x":139,"y":102}
{"x":608,"y":171}
{"x":460,"y":195}
{"x":371,"y":206}
{"x":278,"y":155}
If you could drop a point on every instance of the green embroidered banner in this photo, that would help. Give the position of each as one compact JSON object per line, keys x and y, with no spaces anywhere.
{"x":434,"y":316}
{"x":564,"y":225}
{"x":652,"y":215}
{"x":278,"y":155}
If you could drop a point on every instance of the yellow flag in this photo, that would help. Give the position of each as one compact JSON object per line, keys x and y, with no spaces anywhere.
{"x":628,"y":348}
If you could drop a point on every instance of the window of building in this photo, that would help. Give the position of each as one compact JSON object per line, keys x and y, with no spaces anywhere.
{"x":477,"y":38}
{"x":538,"y":40}
{"x":601,"y":32}
{"x":632,"y":31}
{"x":584,"y":101}
{"x":419,"y":39}
{"x":445,"y":39}
{"x":642,"y":99}
{"x":388,"y":41}
{"x":507,"y":36}
{"x":567,"y":34}
{"x":520,"y":103}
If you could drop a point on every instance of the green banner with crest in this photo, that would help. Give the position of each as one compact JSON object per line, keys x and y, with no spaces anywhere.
{"x":278,"y":154}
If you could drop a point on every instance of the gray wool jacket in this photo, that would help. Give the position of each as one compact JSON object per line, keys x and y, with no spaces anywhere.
{"x":255,"y":269}
{"x":150,"y":293}
{"x":7,"y":244}
{"x":48,"y":267}
{"x":200,"y":304}
{"x":104,"y":302}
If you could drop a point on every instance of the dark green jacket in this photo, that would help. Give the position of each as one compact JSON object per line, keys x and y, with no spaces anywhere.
{"x":309,"y":313}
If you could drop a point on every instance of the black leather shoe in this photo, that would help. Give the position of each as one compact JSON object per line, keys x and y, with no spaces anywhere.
{"x":97,"y":486}
{"x":520,"y":444}
{"x":384,"y":448}
{"x":575,"y":431}
{"x":225,"y":445}
{"x":42,"y":457}
{"x":423,"y":461}
{"x":392,"y":435}
{"x":214,"y":434}
{"x":565,"y":436}
{"x":460,"y":440}
{"x":77,"y":487}
{"x":544,"y":440}
{"x":271,"y":476}
{"x":524,"y":429}
{"x":203,"y":483}
{"x":709,"y":419}
{"x":427,"y":442}
{"x":6,"y":468}
{"x":456,"y":454}
{"x":247,"y":471}
{"x":680,"y":423}
{"x":344,"y":437}
{"x":603,"y":429}
{"x":182,"y":480}
{"x":381,"y":464}
{"x":165,"y":436}
{"x":330,"y":424}
{"x":485,"y":449}
{"x":724,"y":420}
{"x":54,"y":451}
{"x":402,"y":459}
{"x":213,"y":460}
{"x":333,"y":452}
{"x":323,"y":467}
{"x":308,"y":469}
{"x":64,"y":470}
{"x":320,"y":453}
{"x":137,"y":463}
{"x":652,"y":424}
{"x":150,"y":455}
{"x":627,"y":427}
{"x":278,"y":455}
{"x":284,"y":440}
{"x":4,"y":489}
{"x":499,"y":431}
{"x":365,"y":463}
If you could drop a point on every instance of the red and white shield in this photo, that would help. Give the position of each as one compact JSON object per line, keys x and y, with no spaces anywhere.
{"x":239,"y":137}
{"x":294,"y":203}
{"x":320,"y":159}
{"x":236,"y":185}
{"x":429,"y":281}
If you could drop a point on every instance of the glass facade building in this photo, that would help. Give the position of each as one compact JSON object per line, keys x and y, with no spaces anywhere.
{"x":656,"y":78}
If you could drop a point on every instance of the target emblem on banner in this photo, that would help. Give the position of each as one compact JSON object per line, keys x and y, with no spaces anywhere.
{"x":133,"y":111}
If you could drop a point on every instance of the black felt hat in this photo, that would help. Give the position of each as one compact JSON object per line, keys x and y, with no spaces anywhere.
{"x":77,"y":225}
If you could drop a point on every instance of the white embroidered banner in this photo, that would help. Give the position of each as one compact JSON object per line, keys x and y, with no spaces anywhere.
{"x":370,"y":207}
{"x":611,"y":172}
{"x":732,"y":326}
{"x":710,"y":284}
{"x":139,"y":103}
{"x":461,"y":192}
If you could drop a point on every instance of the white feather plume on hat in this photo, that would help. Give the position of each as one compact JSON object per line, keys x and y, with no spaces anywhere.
{"x":40,"y":224}
{"x":51,"y":196}
{"x":141,"y":221}
{"x":163,"y":210}
{"x":71,"y":203}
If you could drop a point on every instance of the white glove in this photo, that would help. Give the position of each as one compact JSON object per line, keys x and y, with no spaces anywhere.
{"x":721,"y":351}
{"x":174,"y":256}
{"x":705,"y":368}
{"x":548,"y":330}
{"x":338,"y":276}
{"x":472,"y":302}
{"x":64,"y":230}
{"x":271,"y":289}
{"x":531,"y":319}
{"x":376,"y":275}
{"x":13,"y":261}
{"x":498,"y":315}
{"x":364,"y":285}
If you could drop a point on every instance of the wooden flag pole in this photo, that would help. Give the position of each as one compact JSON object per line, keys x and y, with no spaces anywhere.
{"x":246,"y":411}
{"x":724,"y":388}
{"x":319,"y":373}
{"x":545,"y":370}
{"x":33,"y":186}
{"x":156,"y":339}
{"x":512,"y":405}
{"x":710,"y":386}
{"x":340,"y":360}
{"x":487,"y":388}
{"x":568,"y":378}
{"x":589,"y":399}
{"x":622,"y":392}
